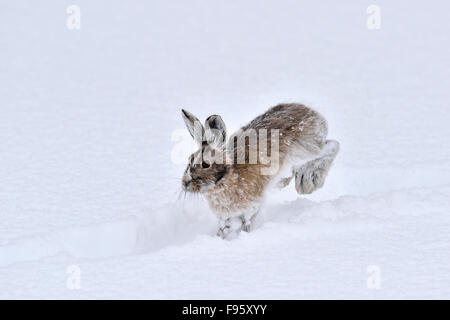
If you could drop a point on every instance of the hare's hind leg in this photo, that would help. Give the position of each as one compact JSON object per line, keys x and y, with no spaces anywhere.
{"x":311,"y":175}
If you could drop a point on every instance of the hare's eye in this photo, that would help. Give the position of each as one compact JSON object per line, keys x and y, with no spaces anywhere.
{"x":205,"y":165}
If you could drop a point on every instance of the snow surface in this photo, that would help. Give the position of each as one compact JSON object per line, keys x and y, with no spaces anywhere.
{"x":90,"y":125}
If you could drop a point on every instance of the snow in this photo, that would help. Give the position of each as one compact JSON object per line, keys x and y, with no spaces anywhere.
{"x":93,"y":149}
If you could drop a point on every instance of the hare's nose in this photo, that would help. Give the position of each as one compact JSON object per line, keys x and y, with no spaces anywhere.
{"x":186,"y":183}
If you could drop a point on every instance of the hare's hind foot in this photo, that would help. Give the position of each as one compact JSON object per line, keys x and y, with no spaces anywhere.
{"x":311,"y":176}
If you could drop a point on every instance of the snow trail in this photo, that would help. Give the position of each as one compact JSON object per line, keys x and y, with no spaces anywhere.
{"x":175,"y":224}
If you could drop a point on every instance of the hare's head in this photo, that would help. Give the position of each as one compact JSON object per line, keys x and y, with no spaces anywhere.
{"x":206,"y":166}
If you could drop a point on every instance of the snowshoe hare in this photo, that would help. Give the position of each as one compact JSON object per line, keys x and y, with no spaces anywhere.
{"x":234,"y":175}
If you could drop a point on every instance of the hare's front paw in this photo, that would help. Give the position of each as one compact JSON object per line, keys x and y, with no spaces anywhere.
{"x":229,"y":228}
{"x":223,"y":232}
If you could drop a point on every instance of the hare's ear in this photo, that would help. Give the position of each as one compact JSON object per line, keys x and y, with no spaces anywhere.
{"x":216,"y":132}
{"x":194,"y":126}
